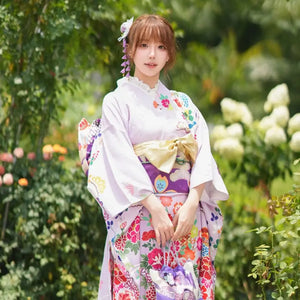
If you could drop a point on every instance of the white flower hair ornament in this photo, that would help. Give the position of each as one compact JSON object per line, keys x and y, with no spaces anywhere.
{"x":125,"y":27}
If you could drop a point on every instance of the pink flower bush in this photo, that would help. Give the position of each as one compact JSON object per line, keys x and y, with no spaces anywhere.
{"x":31,"y":156}
{"x":2,"y":170}
{"x":0,"y":180}
{"x":6,"y":157}
{"x":8,"y":179}
{"x":18,"y":152}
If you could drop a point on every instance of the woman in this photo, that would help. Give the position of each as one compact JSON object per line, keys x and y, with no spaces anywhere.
{"x":153,"y":174}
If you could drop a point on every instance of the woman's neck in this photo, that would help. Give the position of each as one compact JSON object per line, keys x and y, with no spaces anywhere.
{"x":150,"y":81}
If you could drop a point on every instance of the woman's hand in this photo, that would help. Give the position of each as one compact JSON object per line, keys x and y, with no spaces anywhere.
{"x":163,"y":227}
{"x":184,"y":219}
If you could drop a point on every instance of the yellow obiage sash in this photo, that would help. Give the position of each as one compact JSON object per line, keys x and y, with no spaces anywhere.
{"x":162,"y":154}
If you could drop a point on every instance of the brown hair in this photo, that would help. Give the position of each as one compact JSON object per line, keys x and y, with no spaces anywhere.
{"x":152,"y":28}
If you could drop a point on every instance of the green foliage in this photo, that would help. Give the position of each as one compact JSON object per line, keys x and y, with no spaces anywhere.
{"x":276,"y":267}
{"x":244,"y":208}
{"x":52,"y":241}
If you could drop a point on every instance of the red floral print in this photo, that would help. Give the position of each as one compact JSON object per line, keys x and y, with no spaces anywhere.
{"x":151,"y":293}
{"x":147,"y":235}
{"x":119,"y":276}
{"x":125,"y":294}
{"x":178,"y":102}
{"x":121,"y":242}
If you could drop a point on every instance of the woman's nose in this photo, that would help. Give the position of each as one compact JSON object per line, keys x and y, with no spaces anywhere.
{"x":152,"y":51}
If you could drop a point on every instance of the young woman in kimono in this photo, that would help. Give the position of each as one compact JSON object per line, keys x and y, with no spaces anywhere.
{"x":153,"y":174}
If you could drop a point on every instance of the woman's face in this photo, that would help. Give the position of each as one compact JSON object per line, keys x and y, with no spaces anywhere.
{"x":149,"y":59}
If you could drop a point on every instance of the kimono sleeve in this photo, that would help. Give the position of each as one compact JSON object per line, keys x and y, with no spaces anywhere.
{"x":116,"y":178}
{"x":205,"y":169}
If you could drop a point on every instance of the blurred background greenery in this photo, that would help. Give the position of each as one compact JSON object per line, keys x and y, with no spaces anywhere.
{"x":58,"y":59}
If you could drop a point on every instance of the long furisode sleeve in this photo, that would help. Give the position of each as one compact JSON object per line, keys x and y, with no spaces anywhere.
{"x":117,"y":178}
{"x":205,"y":169}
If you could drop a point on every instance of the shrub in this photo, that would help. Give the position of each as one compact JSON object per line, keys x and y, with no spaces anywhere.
{"x":53,"y":240}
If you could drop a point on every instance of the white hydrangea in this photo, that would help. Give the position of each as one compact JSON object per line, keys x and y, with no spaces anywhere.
{"x":295,"y":142}
{"x":281,"y":115}
{"x":235,"y":130}
{"x":278,"y":96}
{"x":18,"y":80}
{"x":234,"y":111}
{"x":266,"y":123}
{"x":230,"y":148}
{"x":294,"y":124}
{"x":275,"y":136}
{"x":218,"y":132}
{"x":245,"y":114}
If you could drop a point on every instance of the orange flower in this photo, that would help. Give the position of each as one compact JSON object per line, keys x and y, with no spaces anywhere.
{"x":63,"y":150}
{"x":48,"y":149}
{"x":23,"y":182}
{"x":188,"y":254}
{"x":56,"y":148}
{"x":61,"y":158}
{"x":165,"y":200}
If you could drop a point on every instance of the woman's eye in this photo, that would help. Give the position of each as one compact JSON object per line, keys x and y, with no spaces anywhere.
{"x":143,"y":45}
{"x":162,"y":47}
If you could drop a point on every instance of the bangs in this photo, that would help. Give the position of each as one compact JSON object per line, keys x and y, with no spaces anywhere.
{"x":153,"y":32}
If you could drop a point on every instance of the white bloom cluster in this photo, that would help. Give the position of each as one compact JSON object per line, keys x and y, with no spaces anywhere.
{"x":230,"y":148}
{"x":295,"y":142}
{"x":234,"y":111}
{"x":278,"y":96}
{"x":275,"y":136}
{"x":281,"y":115}
{"x":274,"y":127}
{"x":226,"y":141}
{"x":294,"y":124}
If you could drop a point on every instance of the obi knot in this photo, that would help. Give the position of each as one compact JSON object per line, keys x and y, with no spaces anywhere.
{"x":162,"y":154}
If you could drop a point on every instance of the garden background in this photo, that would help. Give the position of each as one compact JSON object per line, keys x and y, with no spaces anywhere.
{"x":239,"y":62}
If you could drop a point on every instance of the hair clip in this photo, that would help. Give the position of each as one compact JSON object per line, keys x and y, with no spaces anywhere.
{"x":125,"y":27}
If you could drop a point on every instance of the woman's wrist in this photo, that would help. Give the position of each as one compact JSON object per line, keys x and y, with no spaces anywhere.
{"x":195,"y":194}
{"x":150,"y":202}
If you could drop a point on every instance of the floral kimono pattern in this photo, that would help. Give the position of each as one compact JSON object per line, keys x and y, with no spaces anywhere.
{"x":119,"y":179}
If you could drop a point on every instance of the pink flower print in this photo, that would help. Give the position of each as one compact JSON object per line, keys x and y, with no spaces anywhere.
{"x":199,"y":243}
{"x":155,"y":258}
{"x":123,"y":225}
{"x":133,"y":230}
{"x":165,"y":103}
